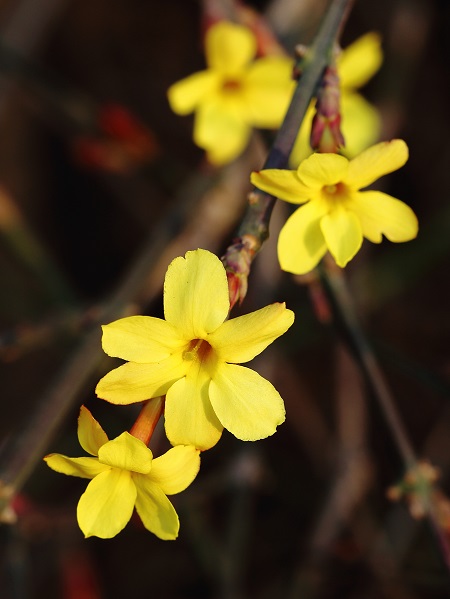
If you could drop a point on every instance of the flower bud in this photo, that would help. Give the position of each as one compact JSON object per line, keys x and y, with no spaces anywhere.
{"x":326,"y":135}
{"x":237,"y":260}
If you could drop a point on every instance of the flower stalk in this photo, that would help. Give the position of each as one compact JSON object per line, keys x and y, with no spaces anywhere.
{"x":147,"y":420}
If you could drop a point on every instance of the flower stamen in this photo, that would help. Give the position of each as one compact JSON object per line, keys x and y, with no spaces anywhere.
{"x":199,"y":350}
{"x":231,"y":86}
{"x":334,"y":192}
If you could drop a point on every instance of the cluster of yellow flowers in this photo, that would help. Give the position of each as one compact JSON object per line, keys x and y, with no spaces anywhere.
{"x":193,"y":356}
{"x":236,"y":93}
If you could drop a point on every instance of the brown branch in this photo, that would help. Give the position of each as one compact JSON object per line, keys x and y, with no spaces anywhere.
{"x":254,"y":227}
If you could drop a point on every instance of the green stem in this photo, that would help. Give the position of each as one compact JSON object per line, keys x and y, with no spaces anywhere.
{"x":254,"y":226}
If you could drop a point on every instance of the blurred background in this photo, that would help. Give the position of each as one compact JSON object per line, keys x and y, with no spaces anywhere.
{"x":100,"y":187}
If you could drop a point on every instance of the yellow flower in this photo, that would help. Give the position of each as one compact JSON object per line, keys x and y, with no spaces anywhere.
{"x":336,"y":214}
{"x":360,"y":124}
{"x":235,"y":92}
{"x":187,"y":355}
{"x":125,"y":476}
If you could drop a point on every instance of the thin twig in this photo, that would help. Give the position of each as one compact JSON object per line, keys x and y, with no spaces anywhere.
{"x":345,"y":313}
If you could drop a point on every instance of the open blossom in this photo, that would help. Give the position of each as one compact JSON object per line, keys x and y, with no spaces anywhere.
{"x":192,"y":357}
{"x":360,"y":121}
{"x":235,"y":92}
{"x":335,"y":214}
{"x":124,"y":476}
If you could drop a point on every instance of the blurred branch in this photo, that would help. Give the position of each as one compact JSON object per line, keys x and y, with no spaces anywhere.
{"x":352,"y":477}
{"x":28,"y":20}
{"x":345,"y":316}
{"x":224,"y":556}
{"x":17,"y":341}
{"x":25,"y":26}
{"x":21,"y":241}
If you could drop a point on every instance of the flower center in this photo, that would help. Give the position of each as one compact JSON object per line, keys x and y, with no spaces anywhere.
{"x":231,"y":86}
{"x":335,"y":192}
{"x":198,"y":350}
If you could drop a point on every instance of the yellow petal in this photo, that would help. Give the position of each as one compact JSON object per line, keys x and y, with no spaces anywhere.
{"x":156,"y":512}
{"x":268,"y":88}
{"x":243,"y":338}
{"x":343,"y":236}
{"x":281,"y":184}
{"x":127,"y":453}
{"x":189,"y":304}
{"x":140,"y":339}
{"x":137,"y":382}
{"x":322,"y":169}
{"x":82,"y":467}
{"x":222,"y":130}
{"x":380,"y":213}
{"x":247,"y":404}
{"x":229,"y":47}
{"x":301,"y":244}
{"x":90,"y":434}
{"x":174,"y":471}
{"x":106,"y":506}
{"x":360,"y":61}
{"x":302,"y":148}
{"x":361,"y":124}
{"x":185,"y":95}
{"x":375,"y":162}
{"x":189,"y":416}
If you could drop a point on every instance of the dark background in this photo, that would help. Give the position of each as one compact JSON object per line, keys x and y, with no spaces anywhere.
{"x":303,"y":513}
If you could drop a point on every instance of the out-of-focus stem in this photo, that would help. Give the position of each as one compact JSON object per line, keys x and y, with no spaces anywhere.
{"x":30,"y":252}
{"x":342,"y":302}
